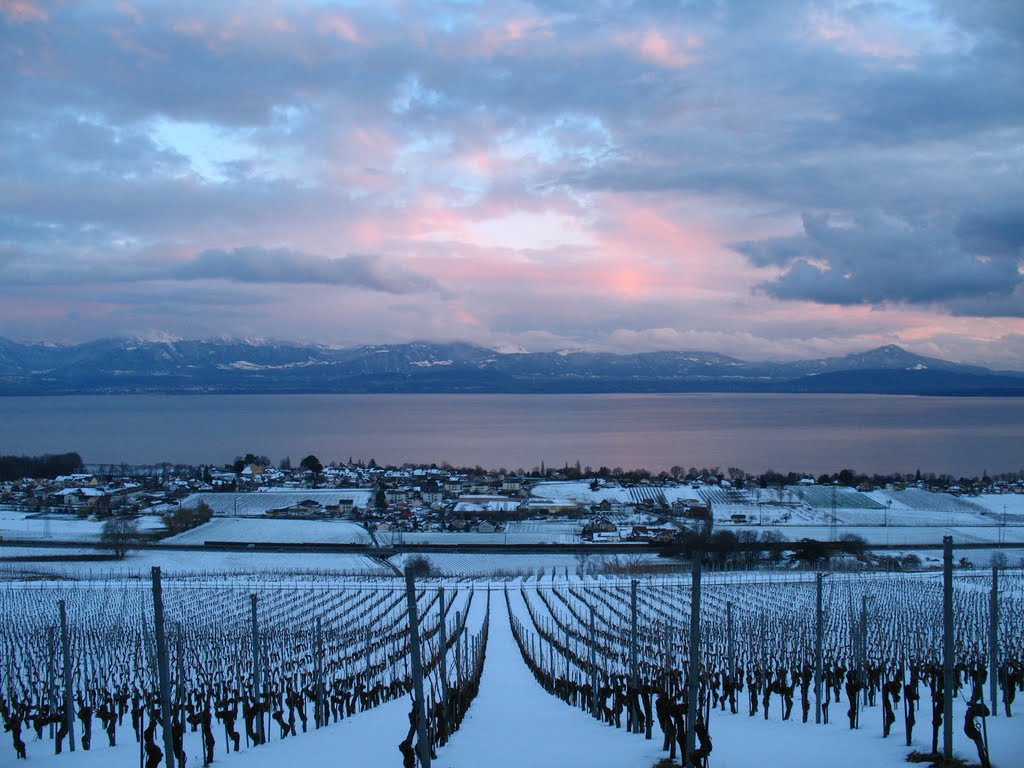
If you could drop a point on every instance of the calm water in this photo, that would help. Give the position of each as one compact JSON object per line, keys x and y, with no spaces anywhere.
{"x":809,"y":433}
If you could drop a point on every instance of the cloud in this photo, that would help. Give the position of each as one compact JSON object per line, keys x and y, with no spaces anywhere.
{"x":862,"y":160}
{"x":877,"y":259}
{"x":244,"y":265}
{"x":280,"y":265}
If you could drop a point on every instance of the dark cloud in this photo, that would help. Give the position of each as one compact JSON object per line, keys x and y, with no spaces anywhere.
{"x":245,"y":265}
{"x":281,"y":265}
{"x":993,"y":233}
{"x":879,"y":259}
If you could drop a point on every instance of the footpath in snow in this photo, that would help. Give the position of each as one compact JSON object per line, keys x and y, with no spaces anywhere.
{"x":514,"y":723}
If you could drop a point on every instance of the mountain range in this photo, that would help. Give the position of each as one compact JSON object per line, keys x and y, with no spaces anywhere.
{"x":110,"y":366}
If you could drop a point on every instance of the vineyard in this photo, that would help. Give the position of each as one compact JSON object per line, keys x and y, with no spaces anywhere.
{"x":237,"y":665}
{"x":246,"y":662}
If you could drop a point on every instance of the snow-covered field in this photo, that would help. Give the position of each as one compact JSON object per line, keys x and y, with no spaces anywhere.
{"x":470,"y":538}
{"x":504,"y":565}
{"x":58,"y":563}
{"x":27,"y":526}
{"x":261,"y":502}
{"x":246,"y":530}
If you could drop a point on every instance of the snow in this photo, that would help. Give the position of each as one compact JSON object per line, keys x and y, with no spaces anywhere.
{"x":27,"y":526}
{"x":469,"y":538}
{"x":246,"y":530}
{"x":261,"y":502}
{"x":184,"y":563}
{"x":492,"y":565}
{"x":515,"y":723}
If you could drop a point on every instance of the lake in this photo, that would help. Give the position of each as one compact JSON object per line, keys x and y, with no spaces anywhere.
{"x":803,"y":433}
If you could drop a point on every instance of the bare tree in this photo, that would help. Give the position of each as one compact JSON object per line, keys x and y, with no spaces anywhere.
{"x":120,"y":534}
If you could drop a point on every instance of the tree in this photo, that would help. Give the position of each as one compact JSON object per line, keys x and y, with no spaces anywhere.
{"x":311,"y":464}
{"x":418,"y":566}
{"x":184,"y":518}
{"x":120,"y":534}
{"x":852,"y":544}
{"x":810,"y":551}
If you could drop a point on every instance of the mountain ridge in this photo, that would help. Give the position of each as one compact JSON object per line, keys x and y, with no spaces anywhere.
{"x":267,"y":367}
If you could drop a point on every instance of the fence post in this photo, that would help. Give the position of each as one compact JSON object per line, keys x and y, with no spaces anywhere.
{"x":163,"y":668}
{"x":69,"y":702}
{"x":593,"y":664}
{"x":444,"y":650}
{"x":320,"y":708}
{"x":422,"y":745}
{"x":692,"y":683}
{"x":256,"y":677}
{"x":634,"y":678}
{"x":180,"y":688}
{"x":993,"y":641}
{"x":51,"y":682}
{"x":947,"y":647}
{"x":863,"y":654}
{"x":458,"y":659}
{"x":730,"y":651}
{"x":819,"y":622}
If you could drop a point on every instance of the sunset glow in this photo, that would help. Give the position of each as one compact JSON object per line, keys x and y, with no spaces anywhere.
{"x":801,"y":181}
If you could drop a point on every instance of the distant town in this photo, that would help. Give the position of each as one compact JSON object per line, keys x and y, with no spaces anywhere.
{"x":254,"y":502}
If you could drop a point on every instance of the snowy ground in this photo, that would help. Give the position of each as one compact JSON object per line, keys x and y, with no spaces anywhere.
{"x":470,"y":538}
{"x":495,"y":565}
{"x":182,"y":563}
{"x":27,"y":526}
{"x":893,"y":534}
{"x":275,"y":531}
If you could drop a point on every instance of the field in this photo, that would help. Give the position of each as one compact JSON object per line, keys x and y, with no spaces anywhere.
{"x":333,"y":651}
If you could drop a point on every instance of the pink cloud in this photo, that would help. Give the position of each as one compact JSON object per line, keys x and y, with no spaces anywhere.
{"x":23,"y":11}
{"x":339,"y":26}
{"x":654,"y":46}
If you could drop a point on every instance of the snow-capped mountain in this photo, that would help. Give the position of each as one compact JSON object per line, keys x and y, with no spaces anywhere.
{"x":135,"y":365}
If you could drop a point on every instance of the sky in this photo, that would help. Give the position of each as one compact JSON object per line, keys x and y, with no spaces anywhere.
{"x":769,"y":180}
